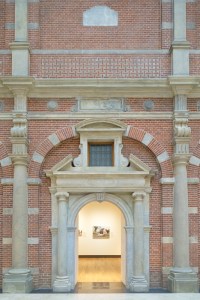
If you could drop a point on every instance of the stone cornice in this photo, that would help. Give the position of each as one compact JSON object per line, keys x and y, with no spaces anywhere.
{"x":105,"y":87}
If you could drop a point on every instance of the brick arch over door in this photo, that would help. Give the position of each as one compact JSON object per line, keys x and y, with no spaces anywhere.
{"x":69,"y":132}
{"x":5,"y":161}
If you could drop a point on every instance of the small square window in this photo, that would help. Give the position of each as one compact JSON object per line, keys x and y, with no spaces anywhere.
{"x":101,"y":154}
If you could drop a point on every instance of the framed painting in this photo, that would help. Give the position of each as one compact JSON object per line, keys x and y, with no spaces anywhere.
{"x":100,"y":232}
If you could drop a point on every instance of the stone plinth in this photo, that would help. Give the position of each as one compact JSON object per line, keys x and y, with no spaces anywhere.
{"x":138,"y":284}
{"x":62,"y":284}
{"x":183,"y":282}
{"x":18,"y":281}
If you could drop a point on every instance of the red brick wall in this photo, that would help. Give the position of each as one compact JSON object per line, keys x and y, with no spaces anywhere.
{"x":100,"y":66}
{"x":1,"y":228}
{"x":2,"y":22}
{"x":61,"y":25}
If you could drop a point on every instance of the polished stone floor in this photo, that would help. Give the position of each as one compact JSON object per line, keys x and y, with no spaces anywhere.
{"x":122,"y":296}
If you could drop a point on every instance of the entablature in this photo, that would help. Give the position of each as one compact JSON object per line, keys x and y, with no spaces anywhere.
{"x":104,"y":87}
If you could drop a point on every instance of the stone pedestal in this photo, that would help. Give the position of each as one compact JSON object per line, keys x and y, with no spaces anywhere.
{"x":183,"y":281}
{"x":138,"y":284}
{"x":62,"y":284}
{"x":17,"y":281}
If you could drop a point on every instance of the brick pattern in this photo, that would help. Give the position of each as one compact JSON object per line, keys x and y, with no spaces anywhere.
{"x":194,"y":64}
{"x":100,"y":66}
{"x":139,"y":25}
{"x":167,"y":34}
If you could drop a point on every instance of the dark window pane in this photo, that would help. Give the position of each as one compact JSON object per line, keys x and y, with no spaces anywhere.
{"x":101,"y":155}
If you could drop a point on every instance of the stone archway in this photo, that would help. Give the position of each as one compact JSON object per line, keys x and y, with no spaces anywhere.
{"x":126,"y":187}
{"x":124,"y":207}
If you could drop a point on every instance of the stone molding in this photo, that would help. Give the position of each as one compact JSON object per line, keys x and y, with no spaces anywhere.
{"x":104,"y":87}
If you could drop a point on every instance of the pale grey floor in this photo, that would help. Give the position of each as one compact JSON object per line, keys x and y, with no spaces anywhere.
{"x":100,"y":296}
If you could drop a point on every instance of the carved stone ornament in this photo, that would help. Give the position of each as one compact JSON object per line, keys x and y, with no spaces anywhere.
{"x":101,"y":104}
{"x":124,"y":161}
{"x":100,"y":197}
{"x":181,"y":128}
{"x":20,"y":128}
{"x":78,"y":160}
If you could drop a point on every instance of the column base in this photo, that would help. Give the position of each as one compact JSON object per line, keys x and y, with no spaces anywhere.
{"x":62,"y":284}
{"x":182,"y":280}
{"x":18,"y":281}
{"x":138,"y":284}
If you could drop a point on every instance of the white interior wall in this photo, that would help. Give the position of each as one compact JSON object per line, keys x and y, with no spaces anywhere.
{"x":103,"y":214}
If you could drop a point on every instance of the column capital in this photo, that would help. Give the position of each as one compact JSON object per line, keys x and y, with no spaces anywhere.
{"x":62,"y":196}
{"x":19,"y":159}
{"x":181,"y":159}
{"x":139,"y":196}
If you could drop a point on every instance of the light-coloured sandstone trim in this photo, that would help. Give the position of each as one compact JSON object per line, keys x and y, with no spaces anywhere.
{"x":166,"y":210}
{"x":33,"y":241}
{"x":127,"y":130}
{"x":54,"y":139}
{"x":80,"y":116}
{"x":31,"y":26}
{"x":7,"y":241}
{"x":7,"y":181}
{"x":34,"y":271}
{"x":5,"y":52}
{"x":167,"y":25}
{"x":30,"y":241}
{"x":31,"y":211}
{"x":34,"y":181}
{"x":38,"y":158}
{"x":6,"y":162}
{"x":167,"y":240}
{"x":169,"y":210}
{"x":194,"y":161}
{"x":193,"y":239}
{"x":166,"y":270}
{"x":163,"y":157}
{"x":147,"y":139}
{"x":193,"y":180}
{"x":167,"y":180}
{"x":99,"y":51}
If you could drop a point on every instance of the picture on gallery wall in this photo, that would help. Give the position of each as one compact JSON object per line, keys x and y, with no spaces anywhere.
{"x":101,"y":232}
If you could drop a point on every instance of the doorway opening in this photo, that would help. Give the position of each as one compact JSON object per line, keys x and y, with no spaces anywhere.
{"x":101,"y":246}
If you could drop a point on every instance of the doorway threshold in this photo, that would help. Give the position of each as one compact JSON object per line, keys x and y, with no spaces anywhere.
{"x":100,"y":287}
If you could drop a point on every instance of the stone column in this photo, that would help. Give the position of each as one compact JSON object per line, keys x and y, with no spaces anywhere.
{"x":72,"y":258}
{"x":129,"y":254}
{"x":62,"y":282}
{"x":182,"y":278}
{"x":138,"y":282}
{"x":19,"y":279}
{"x":180,"y":46}
{"x":20,"y":47}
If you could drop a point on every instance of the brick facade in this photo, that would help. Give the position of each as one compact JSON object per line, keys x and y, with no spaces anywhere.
{"x":61,"y":48}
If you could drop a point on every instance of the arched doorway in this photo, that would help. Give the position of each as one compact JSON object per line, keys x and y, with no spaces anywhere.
{"x":127,"y":251}
{"x":101,"y":243}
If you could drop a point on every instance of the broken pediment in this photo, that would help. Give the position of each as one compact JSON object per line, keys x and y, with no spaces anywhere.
{"x":137,"y":165}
